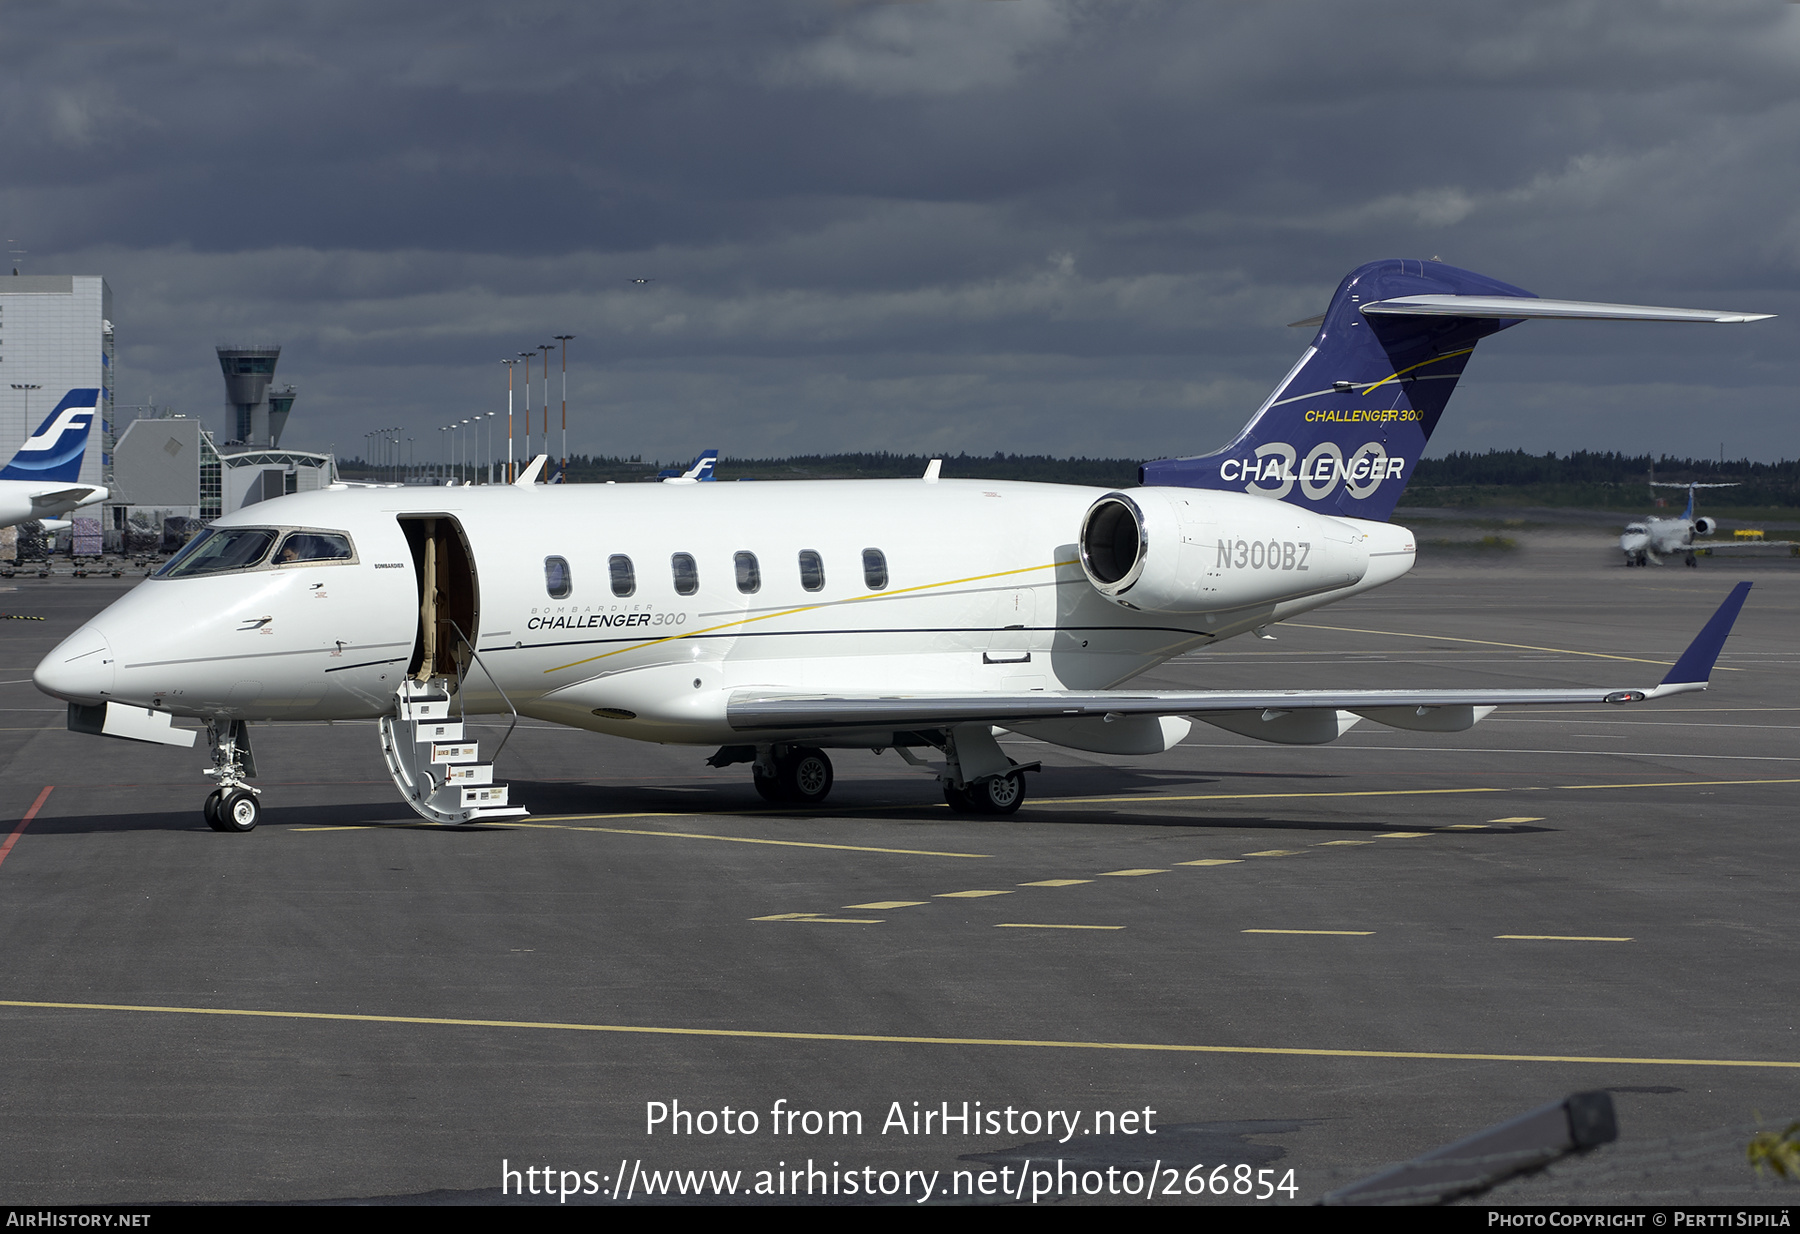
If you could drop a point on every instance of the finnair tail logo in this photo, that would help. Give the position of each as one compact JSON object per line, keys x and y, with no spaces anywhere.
{"x":66,"y":420}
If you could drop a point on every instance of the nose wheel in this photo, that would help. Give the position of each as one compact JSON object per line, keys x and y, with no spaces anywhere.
{"x":232,"y":810}
{"x":232,"y":806}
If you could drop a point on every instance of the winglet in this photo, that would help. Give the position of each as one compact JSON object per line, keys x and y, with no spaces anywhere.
{"x":1696,"y":663}
{"x":529,"y":476}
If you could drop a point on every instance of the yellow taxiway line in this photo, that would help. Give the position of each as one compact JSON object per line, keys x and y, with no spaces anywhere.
{"x":752,"y":1034}
{"x":1389,"y":792}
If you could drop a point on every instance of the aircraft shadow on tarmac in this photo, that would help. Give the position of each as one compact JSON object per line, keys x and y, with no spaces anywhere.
{"x":899,"y":798}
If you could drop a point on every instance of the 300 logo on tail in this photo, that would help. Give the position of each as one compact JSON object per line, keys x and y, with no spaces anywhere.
{"x":1273,"y":472}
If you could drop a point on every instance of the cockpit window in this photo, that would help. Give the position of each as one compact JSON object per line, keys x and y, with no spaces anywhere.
{"x":218,"y":550}
{"x":313,"y":546}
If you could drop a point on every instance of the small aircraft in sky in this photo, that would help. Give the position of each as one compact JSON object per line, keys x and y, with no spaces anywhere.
{"x":776,"y":621}
{"x":1651,"y":539}
{"x":40,"y":482}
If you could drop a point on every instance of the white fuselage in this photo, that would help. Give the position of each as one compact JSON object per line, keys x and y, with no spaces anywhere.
{"x":1657,"y":537}
{"x":984,"y":590}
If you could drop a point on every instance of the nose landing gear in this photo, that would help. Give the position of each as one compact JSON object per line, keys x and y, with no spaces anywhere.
{"x":233,"y":805}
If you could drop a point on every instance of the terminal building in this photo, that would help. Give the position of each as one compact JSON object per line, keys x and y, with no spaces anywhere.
{"x":56,"y":335}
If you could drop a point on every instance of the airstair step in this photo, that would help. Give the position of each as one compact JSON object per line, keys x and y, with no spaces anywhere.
{"x":474,"y":795}
{"x":469,"y":773}
{"x":455,"y":751}
{"x":434,"y":730}
{"x":425,"y":709}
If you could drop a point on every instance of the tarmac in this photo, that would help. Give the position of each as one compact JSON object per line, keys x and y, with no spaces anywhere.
{"x":1303,"y":964}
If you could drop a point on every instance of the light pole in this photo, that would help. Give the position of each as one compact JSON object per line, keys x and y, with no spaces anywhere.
{"x":564,"y":466}
{"x":441,"y":428}
{"x":527,"y":358}
{"x":510,"y":456}
{"x":546,"y":348}
{"x":27,"y":387}
{"x":490,"y":449}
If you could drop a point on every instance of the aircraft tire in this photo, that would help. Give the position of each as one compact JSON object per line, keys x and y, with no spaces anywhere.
{"x":767,"y":787}
{"x":805,"y":776}
{"x":961,"y":800}
{"x":239,"y":810}
{"x":1000,"y":794}
{"x":211,"y":810}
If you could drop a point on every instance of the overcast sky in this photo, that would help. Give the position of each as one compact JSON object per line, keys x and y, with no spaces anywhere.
{"x":1023,"y":225}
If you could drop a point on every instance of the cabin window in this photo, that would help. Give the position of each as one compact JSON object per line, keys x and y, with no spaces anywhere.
{"x":556,"y":578}
{"x":812,"y":570}
{"x":304,"y":546}
{"x":749,"y":576}
{"x":874,"y":569}
{"x":217,"y":550}
{"x":624,"y":581}
{"x":687,"y":574}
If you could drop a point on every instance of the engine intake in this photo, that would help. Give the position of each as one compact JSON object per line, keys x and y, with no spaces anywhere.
{"x":1181,"y":550}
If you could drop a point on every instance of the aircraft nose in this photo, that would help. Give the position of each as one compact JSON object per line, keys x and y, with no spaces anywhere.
{"x":79,"y":669}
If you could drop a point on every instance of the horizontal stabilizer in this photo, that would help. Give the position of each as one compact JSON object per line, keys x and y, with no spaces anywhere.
{"x":66,"y":496}
{"x":1519,"y":307}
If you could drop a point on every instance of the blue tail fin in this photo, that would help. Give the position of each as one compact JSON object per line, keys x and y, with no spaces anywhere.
{"x":54,"y":451}
{"x":1342,"y":433}
{"x":701,"y":472}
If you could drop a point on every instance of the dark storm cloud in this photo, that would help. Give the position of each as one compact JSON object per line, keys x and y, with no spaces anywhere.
{"x":1022,"y":225}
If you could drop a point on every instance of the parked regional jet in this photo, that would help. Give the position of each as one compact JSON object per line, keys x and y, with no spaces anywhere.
{"x":1649,"y":539}
{"x":40,"y":482}
{"x":775,"y":621}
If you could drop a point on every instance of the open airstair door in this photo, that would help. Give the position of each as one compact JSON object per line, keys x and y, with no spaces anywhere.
{"x":449,"y":597}
{"x":436,"y":765}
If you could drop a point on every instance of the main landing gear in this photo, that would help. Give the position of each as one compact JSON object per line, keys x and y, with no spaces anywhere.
{"x":794,"y":775}
{"x":233,"y":805}
{"x":1002,"y":794}
{"x":976,"y":777}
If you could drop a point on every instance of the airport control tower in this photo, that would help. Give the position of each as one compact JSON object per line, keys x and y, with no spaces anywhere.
{"x":258,"y":416}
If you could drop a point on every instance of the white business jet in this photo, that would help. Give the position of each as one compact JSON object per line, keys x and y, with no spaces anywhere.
{"x":41,"y":481}
{"x":776,"y":621}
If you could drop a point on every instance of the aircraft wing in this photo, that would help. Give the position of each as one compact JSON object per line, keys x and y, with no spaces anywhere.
{"x":750,"y":710}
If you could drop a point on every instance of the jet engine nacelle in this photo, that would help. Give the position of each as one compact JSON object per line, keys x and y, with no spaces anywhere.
{"x":1183,"y":550}
{"x":1705,"y":526}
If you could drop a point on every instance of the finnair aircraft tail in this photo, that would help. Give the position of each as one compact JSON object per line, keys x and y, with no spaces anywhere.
{"x":1344,"y":430}
{"x":41,"y":482}
{"x":700,"y":473}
